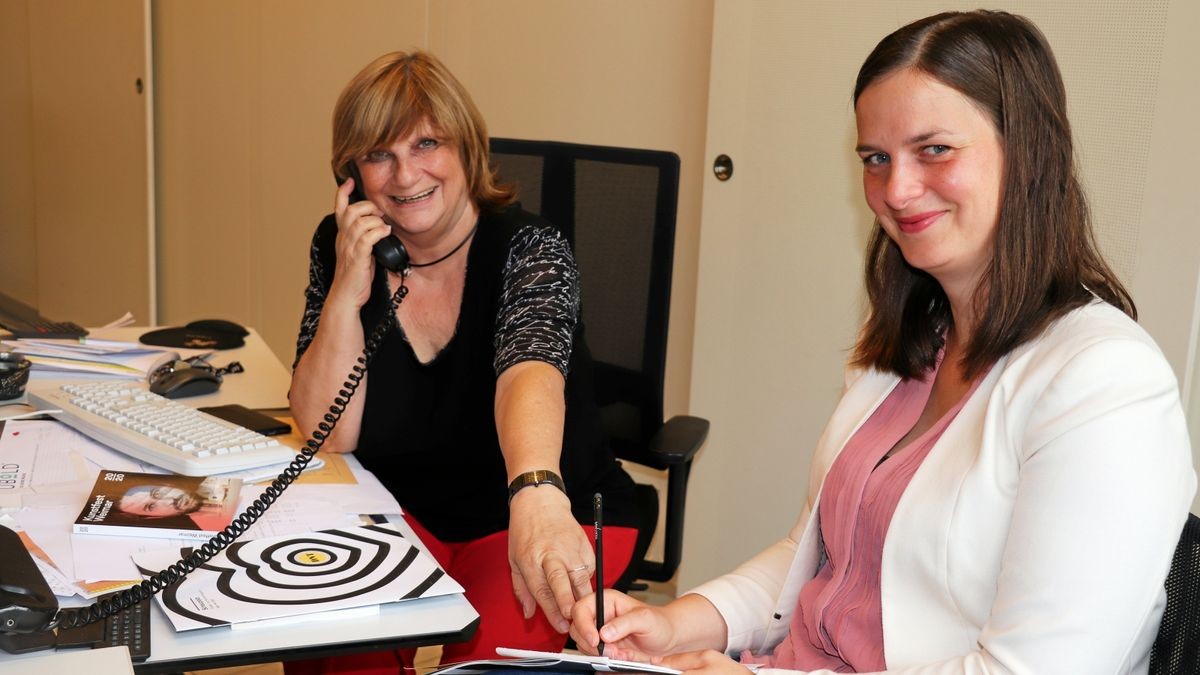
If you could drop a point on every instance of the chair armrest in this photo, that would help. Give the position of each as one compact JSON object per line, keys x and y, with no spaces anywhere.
{"x":679,"y":439}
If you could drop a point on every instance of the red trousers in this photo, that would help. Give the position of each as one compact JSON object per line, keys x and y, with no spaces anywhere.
{"x":481,"y":566}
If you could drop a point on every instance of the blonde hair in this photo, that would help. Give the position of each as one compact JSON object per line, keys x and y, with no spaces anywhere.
{"x":393,"y":94}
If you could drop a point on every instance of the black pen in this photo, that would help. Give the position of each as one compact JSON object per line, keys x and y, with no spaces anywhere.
{"x":598,"y":508}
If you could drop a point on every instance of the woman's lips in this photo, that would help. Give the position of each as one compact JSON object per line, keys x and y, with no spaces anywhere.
{"x":918,"y":222}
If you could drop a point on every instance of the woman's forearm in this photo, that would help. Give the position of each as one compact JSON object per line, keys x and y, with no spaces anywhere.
{"x":321,"y":373}
{"x":530,"y":410}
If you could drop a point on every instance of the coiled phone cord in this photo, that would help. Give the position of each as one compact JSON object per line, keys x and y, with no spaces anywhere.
{"x":102,"y":609}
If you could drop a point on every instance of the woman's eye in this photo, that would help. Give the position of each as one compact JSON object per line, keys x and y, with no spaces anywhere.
{"x":875,"y":159}
{"x":378,"y":156}
{"x":427,"y":143}
{"x":935,"y":150}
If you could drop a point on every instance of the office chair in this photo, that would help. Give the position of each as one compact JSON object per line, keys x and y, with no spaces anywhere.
{"x":616,"y":206}
{"x":1176,"y":650}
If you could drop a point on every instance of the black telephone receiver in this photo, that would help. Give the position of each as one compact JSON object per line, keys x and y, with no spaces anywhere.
{"x":389,"y":251}
{"x":28,"y":609}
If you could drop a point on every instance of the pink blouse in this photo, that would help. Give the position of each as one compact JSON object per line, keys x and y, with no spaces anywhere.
{"x":838,"y":623}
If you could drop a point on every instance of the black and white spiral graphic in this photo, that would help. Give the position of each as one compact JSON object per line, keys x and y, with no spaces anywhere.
{"x":305,"y":573}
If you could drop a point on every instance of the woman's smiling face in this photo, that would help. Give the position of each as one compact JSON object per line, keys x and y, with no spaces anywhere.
{"x":933,"y":172}
{"x":419,"y":183}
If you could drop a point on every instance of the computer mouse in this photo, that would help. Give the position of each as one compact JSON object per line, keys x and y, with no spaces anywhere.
{"x":219,"y":326}
{"x":186,"y":382}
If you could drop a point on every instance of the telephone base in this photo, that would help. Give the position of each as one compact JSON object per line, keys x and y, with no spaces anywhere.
{"x":19,"y":643}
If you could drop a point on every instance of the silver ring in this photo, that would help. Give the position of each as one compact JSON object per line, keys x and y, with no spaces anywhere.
{"x":581,"y":568}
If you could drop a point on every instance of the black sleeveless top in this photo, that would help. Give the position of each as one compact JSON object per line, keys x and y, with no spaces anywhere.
{"x":428,"y":429}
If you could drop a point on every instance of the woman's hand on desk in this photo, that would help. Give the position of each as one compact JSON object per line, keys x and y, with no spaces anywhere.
{"x":551,"y":558}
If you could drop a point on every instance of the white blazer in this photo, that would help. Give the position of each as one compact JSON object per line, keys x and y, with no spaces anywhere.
{"x":1038,"y":532}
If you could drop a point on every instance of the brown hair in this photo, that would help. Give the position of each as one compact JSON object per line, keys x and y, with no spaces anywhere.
{"x":1044,"y":260}
{"x":394,"y":93}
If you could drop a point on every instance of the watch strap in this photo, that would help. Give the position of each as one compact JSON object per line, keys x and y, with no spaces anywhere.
{"x":533,"y":479}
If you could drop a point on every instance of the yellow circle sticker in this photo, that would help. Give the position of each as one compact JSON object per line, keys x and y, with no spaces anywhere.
{"x":311,"y":557}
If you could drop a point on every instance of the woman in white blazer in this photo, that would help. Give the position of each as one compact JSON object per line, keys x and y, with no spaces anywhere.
{"x":1001,"y":487}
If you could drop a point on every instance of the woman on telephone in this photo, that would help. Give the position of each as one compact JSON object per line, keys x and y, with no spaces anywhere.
{"x":1004,"y":481}
{"x":476,"y":410}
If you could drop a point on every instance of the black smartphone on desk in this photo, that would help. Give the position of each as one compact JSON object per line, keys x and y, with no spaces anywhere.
{"x":251,"y":419}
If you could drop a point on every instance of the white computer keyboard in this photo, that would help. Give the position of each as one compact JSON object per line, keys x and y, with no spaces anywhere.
{"x":126,"y":416}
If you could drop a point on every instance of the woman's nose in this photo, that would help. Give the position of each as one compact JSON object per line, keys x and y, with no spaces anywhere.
{"x":406,"y":172}
{"x":903,"y":185}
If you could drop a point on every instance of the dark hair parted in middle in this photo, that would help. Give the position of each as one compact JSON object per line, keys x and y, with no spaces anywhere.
{"x":1044,"y":259}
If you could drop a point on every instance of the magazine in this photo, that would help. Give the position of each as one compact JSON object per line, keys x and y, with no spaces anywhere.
{"x":329,"y":571}
{"x":166,"y":506}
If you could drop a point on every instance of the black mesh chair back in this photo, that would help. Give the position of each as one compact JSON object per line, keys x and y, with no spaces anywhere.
{"x":1176,"y":650}
{"x":617,"y":208}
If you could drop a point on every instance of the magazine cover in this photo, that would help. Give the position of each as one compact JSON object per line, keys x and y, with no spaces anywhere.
{"x":166,"y":506}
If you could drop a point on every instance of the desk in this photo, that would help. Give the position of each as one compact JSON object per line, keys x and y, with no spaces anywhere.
{"x":411,"y":623}
{"x":107,"y":661}
{"x":264,"y":384}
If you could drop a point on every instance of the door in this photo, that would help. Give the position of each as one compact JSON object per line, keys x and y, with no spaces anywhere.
{"x":90,"y":107}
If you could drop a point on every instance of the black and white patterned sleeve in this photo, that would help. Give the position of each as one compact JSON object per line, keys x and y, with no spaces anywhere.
{"x":314,"y":300}
{"x":539,"y":303}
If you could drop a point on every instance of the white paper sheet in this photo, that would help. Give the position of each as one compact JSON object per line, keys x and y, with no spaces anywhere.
{"x":37,"y":454}
{"x":49,"y":527}
{"x":100,"y":558}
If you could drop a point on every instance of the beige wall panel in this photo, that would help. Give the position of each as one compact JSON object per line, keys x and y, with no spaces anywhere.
{"x":18,"y":259}
{"x":627,"y":73}
{"x":1166,"y":282}
{"x":89,"y":158}
{"x":245,"y":95}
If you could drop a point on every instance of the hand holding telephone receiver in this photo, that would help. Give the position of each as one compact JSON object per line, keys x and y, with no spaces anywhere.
{"x":28,"y":609}
{"x":389,"y":251}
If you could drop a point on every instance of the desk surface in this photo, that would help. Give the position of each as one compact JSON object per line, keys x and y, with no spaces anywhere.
{"x":264,"y":384}
{"x":107,"y":661}
{"x":412,"y":623}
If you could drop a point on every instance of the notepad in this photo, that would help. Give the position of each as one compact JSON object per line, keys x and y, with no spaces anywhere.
{"x":534,"y":661}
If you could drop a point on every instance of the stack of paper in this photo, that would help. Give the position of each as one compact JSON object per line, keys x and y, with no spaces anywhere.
{"x":104,"y":357}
